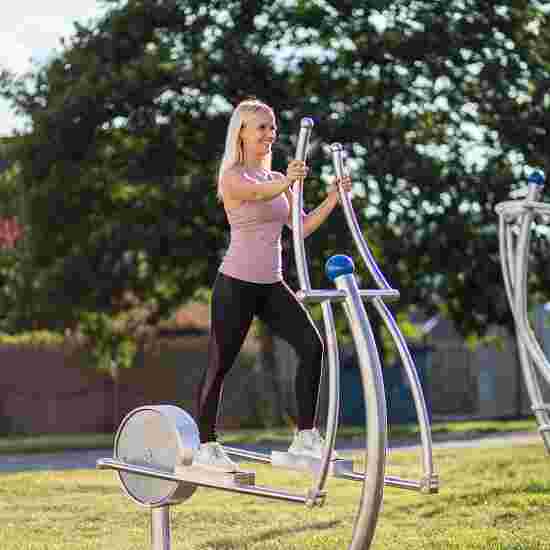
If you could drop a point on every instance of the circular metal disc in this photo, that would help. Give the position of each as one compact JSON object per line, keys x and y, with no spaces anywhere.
{"x":149,"y":437}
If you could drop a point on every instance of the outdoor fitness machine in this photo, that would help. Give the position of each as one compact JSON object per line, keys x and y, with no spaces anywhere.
{"x":515,"y":223}
{"x":154,"y":445}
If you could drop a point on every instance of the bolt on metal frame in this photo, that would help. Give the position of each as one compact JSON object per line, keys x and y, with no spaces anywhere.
{"x":516,"y":218}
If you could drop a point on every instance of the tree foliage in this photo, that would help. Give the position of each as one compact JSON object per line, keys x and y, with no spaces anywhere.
{"x":439,"y":104}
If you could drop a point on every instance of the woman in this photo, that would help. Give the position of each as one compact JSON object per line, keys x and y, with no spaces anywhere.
{"x":258,"y":203}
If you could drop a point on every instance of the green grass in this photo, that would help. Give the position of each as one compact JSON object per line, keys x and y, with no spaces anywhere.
{"x":53,"y":443}
{"x":440,"y":430}
{"x":475,"y":428}
{"x":490,"y":499}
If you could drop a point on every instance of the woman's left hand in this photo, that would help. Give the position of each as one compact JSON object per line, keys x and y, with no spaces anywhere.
{"x":344,"y":183}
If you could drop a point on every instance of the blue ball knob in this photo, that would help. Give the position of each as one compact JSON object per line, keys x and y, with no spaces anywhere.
{"x":536,"y":177}
{"x":339,"y":265}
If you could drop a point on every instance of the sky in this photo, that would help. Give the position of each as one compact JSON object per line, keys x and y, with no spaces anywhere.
{"x":30,"y":32}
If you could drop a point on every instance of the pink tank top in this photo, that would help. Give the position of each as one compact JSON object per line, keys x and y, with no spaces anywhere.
{"x":254,"y":253}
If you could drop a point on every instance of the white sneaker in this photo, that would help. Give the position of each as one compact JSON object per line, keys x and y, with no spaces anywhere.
{"x":309,"y":443}
{"x":212,"y":455}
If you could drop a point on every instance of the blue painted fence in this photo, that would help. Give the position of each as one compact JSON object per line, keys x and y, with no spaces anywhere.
{"x":399,"y":400}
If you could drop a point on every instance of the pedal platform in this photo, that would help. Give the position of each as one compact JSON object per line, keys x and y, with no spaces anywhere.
{"x":300,"y":463}
{"x":203,"y":473}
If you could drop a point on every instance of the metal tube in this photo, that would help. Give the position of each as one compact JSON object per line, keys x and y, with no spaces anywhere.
{"x":338,"y":162}
{"x":250,"y":455}
{"x":533,"y":390}
{"x":373,"y":391}
{"x":333,"y":361}
{"x":414,"y":383}
{"x":312,"y":296}
{"x":160,"y":528}
{"x":528,"y":347}
{"x":514,"y":256}
{"x":306,"y":126}
{"x":535,"y":205}
{"x":504,"y":259}
{"x":256,"y":490}
{"x":387,"y":317}
{"x":389,"y":481}
{"x":511,"y":251}
{"x":520,"y":297}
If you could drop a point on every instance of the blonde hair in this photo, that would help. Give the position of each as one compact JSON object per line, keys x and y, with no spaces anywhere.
{"x":233,"y":153}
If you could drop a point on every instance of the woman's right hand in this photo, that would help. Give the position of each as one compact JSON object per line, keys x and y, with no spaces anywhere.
{"x":296,"y":170}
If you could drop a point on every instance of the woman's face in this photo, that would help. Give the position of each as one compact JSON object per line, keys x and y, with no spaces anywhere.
{"x":259,"y":133}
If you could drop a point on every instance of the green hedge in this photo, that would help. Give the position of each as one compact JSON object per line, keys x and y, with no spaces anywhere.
{"x":32,"y":339}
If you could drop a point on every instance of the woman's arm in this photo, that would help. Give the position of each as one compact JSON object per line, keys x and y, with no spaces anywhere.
{"x":315,"y":218}
{"x":237,"y":185}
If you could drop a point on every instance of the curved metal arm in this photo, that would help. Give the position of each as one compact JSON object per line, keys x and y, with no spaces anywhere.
{"x":306,"y":126}
{"x":506,"y":259}
{"x":392,"y":326}
{"x":333,"y":398}
{"x":337,"y":158}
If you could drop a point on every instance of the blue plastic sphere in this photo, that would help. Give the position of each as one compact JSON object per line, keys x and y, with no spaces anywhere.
{"x":536,"y":177}
{"x":339,"y":265}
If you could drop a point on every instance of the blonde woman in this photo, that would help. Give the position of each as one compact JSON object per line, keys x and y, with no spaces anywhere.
{"x":258,"y":203}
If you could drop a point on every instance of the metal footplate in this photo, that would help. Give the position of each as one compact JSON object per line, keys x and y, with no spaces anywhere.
{"x":302,"y":463}
{"x":197,"y":474}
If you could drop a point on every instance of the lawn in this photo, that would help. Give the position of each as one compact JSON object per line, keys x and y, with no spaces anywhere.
{"x":490,"y":499}
{"x":440,"y":430}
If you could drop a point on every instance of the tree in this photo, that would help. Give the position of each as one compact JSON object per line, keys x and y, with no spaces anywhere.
{"x":15,"y":268}
{"x":128,"y":123}
{"x":409,"y":87}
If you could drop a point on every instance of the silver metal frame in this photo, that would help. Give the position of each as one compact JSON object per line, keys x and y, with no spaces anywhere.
{"x":429,"y":482}
{"x":187,"y":477}
{"x":516,"y":218}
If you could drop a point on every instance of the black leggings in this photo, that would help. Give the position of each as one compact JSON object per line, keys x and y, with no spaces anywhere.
{"x":234,"y":304}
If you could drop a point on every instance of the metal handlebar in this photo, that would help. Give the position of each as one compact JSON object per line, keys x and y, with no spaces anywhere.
{"x":306,"y":127}
{"x":337,"y":152}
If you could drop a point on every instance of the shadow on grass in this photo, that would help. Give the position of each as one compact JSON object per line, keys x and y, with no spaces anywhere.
{"x":231,"y":544}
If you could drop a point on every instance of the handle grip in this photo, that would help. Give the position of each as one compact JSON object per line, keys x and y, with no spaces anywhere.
{"x":337,"y":152}
{"x":306,"y":126}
